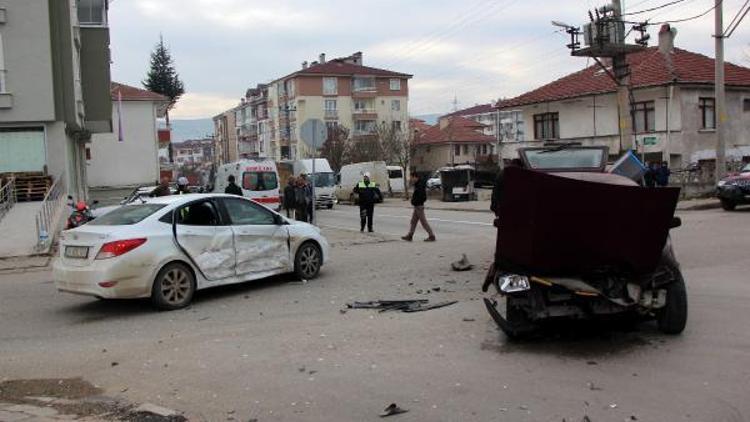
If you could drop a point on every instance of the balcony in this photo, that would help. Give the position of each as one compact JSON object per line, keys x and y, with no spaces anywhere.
{"x":331,"y":114}
{"x":365,"y":114}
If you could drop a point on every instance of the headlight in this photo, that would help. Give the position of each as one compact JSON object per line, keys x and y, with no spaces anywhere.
{"x":722,"y":183}
{"x":513,"y":283}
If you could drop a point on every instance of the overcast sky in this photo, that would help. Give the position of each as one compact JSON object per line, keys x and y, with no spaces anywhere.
{"x":474,"y":50}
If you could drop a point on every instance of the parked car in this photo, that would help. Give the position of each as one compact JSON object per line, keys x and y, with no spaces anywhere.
{"x":434,"y":181}
{"x":167,"y":248}
{"x":396,"y":180}
{"x":734,"y":189}
{"x":457,"y":183}
{"x":575,"y":242}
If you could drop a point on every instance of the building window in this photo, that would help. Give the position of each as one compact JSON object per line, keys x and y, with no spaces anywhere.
{"x":332,"y":126}
{"x":364,"y":127}
{"x":330,"y":86}
{"x":92,"y":12}
{"x":746,"y":104}
{"x":396,"y":124}
{"x":708,"y":113}
{"x":457,"y":150}
{"x":396,"y":105}
{"x":643,"y":117}
{"x":547,"y":126}
{"x":330,"y":105}
{"x":362,"y":106}
{"x":466,"y":150}
{"x":364,"y":84}
{"x":395,"y":84}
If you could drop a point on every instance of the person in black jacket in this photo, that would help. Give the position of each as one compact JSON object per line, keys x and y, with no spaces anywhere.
{"x":290,"y":201}
{"x":232,"y":187}
{"x":418,"y":199}
{"x":368,"y":194}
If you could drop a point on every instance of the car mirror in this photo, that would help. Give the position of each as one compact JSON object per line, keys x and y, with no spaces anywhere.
{"x":676,"y":222}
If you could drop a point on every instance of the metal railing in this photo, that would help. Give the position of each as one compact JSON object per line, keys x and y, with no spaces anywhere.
{"x":48,"y":217}
{"x":7,"y":196}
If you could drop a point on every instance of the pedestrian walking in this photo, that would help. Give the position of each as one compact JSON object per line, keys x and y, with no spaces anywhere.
{"x":662,"y":175}
{"x":232,"y":187}
{"x":162,"y":189}
{"x":418,"y":198}
{"x":308,"y":197}
{"x":300,"y":200}
{"x":649,"y":178}
{"x":289,"y":197}
{"x":368,"y":194}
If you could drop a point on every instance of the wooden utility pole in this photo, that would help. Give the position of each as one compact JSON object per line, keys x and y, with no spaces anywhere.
{"x":622,"y":73}
{"x":720,"y":93}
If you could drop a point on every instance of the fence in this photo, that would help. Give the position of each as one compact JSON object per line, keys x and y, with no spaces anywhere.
{"x":7,"y":195}
{"x":698,"y":180}
{"x":47,"y":218}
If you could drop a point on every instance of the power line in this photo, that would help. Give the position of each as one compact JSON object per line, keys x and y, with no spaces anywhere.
{"x":671,"y":3}
{"x":680,"y":20}
{"x":730,"y":29}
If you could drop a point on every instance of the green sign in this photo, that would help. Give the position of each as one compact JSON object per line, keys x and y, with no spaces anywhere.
{"x":649,"y":140}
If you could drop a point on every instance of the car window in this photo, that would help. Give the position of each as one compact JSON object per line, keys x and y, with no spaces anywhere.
{"x":572,"y":158}
{"x":126,"y":215}
{"x":198,"y":214}
{"x":259,"y":180}
{"x":244,"y":213}
{"x":395,"y":174}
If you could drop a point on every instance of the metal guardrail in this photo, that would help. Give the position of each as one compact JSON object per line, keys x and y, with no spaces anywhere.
{"x":7,"y":196}
{"x":47,"y":218}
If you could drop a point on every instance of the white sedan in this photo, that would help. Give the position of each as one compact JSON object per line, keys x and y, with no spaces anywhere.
{"x":167,"y":248}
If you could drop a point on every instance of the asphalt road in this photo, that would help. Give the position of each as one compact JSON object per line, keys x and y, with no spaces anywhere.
{"x":280,"y":351}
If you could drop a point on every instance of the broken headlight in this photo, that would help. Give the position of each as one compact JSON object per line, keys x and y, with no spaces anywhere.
{"x":513,"y":283}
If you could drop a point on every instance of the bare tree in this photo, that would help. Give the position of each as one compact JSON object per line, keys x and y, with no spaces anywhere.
{"x":365,"y":148}
{"x":398,"y":147}
{"x":336,"y":147}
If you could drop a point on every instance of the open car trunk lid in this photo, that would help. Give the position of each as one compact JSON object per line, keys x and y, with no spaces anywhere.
{"x":554,"y":225}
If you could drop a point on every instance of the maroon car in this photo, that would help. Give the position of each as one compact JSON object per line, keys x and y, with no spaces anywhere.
{"x":576,"y":242}
{"x":734,"y":189}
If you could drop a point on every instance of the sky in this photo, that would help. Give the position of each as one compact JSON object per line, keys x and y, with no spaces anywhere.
{"x":473,"y":51}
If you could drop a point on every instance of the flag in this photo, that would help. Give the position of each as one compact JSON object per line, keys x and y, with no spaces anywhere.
{"x":120,"y":132}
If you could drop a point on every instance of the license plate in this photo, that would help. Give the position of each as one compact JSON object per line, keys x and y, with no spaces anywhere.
{"x":77,"y":252}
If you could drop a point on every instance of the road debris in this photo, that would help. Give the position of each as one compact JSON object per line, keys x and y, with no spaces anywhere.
{"x":462,"y":264}
{"x":411,"y":305}
{"x":392,"y":409}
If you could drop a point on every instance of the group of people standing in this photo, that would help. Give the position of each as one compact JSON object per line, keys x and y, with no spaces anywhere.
{"x":298,"y":198}
{"x":657,"y":176}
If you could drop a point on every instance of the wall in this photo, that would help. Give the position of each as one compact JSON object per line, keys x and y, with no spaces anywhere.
{"x":28,"y":61}
{"x":131,"y":162}
{"x":428,"y":158}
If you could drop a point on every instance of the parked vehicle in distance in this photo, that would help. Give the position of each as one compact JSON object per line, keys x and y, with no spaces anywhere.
{"x":457,"y":183}
{"x":325,"y":179}
{"x":166,"y":248}
{"x":396,"y":180}
{"x":351,"y":174}
{"x":258,"y":178}
{"x":81,"y":213}
{"x":734,"y":189}
{"x":434,"y":181}
{"x":574,"y":242}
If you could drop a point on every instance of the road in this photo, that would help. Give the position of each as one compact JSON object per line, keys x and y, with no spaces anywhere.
{"x":280,"y":351}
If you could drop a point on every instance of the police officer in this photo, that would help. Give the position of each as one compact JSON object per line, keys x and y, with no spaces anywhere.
{"x":368,"y":194}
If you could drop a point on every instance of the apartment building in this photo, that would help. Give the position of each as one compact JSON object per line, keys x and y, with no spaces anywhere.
{"x":54,"y":86}
{"x":503,"y":125}
{"x":225,"y":137}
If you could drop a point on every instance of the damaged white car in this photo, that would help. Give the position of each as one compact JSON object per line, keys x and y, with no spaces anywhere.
{"x":167,"y":248}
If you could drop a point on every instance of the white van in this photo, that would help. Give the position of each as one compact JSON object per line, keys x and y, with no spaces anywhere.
{"x":325,"y":180}
{"x":396,"y":180}
{"x":351,"y":174}
{"x":258,"y":178}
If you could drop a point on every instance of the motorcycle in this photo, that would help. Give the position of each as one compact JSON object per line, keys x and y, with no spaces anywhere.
{"x":81,"y":213}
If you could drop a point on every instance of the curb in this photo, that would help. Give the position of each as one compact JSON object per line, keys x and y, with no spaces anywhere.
{"x":700,"y":207}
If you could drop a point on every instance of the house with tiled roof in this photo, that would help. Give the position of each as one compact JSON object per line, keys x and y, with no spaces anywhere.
{"x":129,"y":155}
{"x":673,"y":109}
{"x":504,"y":125}
{"x":453,"y":140}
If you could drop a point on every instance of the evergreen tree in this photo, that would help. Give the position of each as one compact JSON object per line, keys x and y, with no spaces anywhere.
{"x":162,"y":77}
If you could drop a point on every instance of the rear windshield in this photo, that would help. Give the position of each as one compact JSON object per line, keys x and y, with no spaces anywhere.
{"x":126,"y":215}
{"x":395,"y":174}
{"x":588,"y":158}
{"x":259,"y":180}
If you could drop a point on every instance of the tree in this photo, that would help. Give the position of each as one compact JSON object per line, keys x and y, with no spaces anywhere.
{"x":162,"y":77}
{"x":336,"y":147}
{"x":365,"y":148}
{"x":398,"y":147}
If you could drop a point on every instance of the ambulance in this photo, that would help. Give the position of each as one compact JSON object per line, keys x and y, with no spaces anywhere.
{"x":258,"y":178}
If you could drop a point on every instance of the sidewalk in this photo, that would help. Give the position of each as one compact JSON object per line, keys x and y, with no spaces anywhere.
{"x":18,"y":230}
{"x":484,"y":206}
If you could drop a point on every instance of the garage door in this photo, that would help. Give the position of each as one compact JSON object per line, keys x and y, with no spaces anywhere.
{"x":22,"y":149}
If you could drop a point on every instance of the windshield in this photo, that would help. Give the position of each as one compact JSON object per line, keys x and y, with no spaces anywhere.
{"x":395,"y":174}
{"x":259,"y":181}
{"x":565,"y":158}
{"x":324,"y":180}
{"x":126,"y":215}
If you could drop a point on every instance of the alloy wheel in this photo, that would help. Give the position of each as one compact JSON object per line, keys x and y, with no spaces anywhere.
{"x":175,"y":286}
{"x":309,"y":262}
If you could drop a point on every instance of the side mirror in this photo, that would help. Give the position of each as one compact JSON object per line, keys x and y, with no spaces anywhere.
{"x":676,"y":222}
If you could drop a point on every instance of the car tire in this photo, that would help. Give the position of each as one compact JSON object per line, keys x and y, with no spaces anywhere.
{"x":173,"y":287}
{"x":329,"y":206}
{"x":307,"y":261}
{"x":728,"y":205}
{"x":672,"y":318}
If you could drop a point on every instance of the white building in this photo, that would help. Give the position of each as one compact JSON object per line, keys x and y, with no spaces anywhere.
{"x":128,"y":156}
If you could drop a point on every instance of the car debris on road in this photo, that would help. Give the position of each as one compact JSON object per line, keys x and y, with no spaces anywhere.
{"x":412,"y":305}
{"x":462,"y":264}
{"x":392,"y":409}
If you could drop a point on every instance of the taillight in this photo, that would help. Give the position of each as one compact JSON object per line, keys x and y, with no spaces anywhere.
{"x":118,"y":247}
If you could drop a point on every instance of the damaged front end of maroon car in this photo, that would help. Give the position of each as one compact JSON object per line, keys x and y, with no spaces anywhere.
{"x":581,"y":245}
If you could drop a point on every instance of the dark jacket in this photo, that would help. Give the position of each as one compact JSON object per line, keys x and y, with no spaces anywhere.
{"x":233,"y":189}
{"x":289,"y":199}
{"x":160,"y":190}
{"x":662,"y":176}
{"x":368,"y":193}
{"x":419,"y":196}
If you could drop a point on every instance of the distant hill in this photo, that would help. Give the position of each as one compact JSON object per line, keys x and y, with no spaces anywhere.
{"x":430,"y":119}
{"x":183,"y":130}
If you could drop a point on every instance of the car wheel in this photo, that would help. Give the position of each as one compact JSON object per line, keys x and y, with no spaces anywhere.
{"x":329,"y":206}
{"x":672,"y":318}
{"x":173,"y":287}
{"x":307,"y":262}
{"x":728,"y":205}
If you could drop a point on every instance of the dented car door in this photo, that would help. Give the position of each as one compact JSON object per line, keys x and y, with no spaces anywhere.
{"x":209,"y":244}
{"x":261,"y":244}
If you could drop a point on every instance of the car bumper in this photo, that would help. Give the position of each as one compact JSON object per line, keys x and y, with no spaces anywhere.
{"x":734,"y":194}
{"x":128,"y":282}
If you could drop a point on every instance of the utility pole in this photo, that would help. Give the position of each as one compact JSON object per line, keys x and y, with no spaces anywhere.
{"x":622,"y":74}
{"x":720,"y":97}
